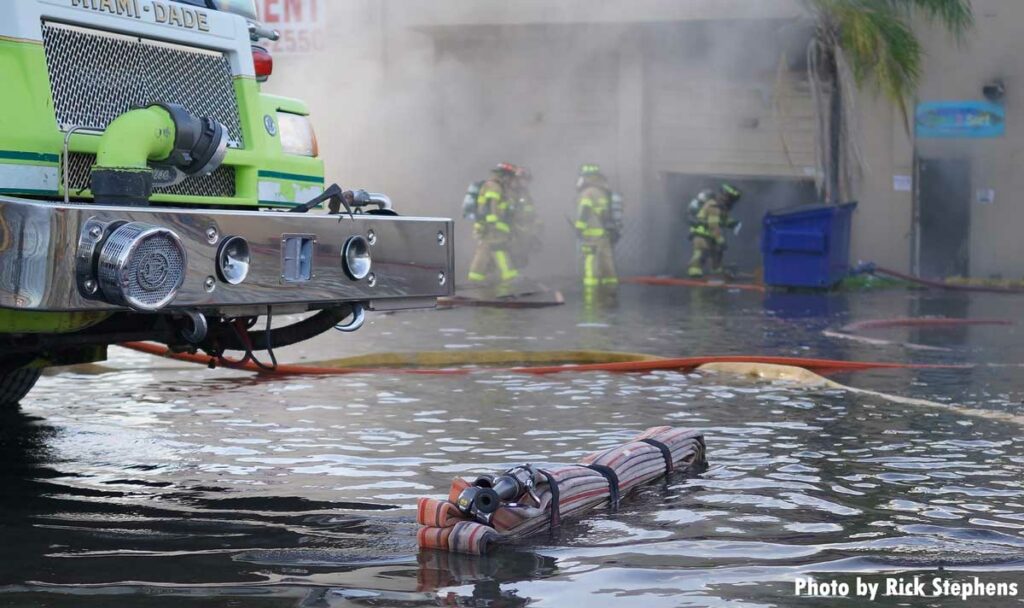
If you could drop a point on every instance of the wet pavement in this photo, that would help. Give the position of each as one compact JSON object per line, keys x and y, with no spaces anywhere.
{"x":151,"y":483}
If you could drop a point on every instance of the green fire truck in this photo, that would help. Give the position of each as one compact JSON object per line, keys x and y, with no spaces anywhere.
{"x":150,"y":191}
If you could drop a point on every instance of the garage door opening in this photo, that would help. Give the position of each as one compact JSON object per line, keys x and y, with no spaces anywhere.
{"x":760,"y":195}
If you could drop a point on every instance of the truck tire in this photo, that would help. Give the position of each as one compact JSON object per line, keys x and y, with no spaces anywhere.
{"x":14,"y":385}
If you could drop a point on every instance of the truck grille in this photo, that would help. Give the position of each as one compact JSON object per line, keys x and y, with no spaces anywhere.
{"x":97,"y":76}
{"x":220,"y":183}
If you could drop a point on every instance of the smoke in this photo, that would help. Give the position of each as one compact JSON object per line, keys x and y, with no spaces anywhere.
{"x":420,"y":103}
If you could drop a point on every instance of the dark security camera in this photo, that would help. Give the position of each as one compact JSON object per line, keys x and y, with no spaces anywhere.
{"x":994,"y":91}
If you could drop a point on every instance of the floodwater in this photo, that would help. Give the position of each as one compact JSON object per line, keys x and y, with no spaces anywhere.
{"x":153,"y":484}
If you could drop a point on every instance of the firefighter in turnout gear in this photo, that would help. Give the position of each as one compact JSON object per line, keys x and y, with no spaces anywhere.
{"x":708,"y":226}
{"x":493,"y":228}
{"x":598,"y":226}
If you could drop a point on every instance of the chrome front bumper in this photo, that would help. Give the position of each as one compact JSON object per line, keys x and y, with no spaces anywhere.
{"x":413,"y":258}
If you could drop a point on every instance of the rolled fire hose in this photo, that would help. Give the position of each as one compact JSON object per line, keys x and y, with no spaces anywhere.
{"x":566,"y":491}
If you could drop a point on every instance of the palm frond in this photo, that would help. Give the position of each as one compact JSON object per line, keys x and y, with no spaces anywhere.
{"x":878,"y":39}
{"x":956,"y":16}
{"x":862,"y":41}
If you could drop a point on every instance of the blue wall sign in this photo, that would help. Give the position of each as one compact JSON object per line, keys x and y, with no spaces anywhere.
{"x":960,"y":119}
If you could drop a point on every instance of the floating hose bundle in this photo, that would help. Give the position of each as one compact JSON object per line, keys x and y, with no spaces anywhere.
{"x":456,"y":525}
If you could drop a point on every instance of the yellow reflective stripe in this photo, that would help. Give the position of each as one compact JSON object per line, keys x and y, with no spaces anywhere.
{"x":491,"y":196}
{"x":588,"y":270}
{"x":586,"y":202}
{"x":507,"y":272}
{"x":594,"y":232}
{"x":476,"y":276}
{"x":502,"y":226}
{"x":581,"y":225}
{"x":492,"y":218}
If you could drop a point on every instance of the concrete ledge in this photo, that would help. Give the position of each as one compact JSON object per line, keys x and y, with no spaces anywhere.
{"x":524,"y":12}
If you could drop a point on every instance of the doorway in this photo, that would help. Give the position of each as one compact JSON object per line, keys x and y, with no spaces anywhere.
{"x":944,"y":220}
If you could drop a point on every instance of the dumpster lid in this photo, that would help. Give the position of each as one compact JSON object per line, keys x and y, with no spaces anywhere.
{"x":811,"y":209}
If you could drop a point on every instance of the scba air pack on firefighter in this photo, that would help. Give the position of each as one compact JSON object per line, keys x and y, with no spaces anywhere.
{"x":709,"y":216}
{"x":599,"y":224}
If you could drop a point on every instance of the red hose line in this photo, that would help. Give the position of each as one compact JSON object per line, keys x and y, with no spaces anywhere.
{"x":700,"y":284}
{"x":821,"y":366}
{"x":937,"y":322}
{"x":281,"y":370}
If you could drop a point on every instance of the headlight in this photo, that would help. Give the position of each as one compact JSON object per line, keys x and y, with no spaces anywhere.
{"x":297,"y":136}
{"x":245,"y":8}
{"x":355,"y":257}
{"x":233,"y":260}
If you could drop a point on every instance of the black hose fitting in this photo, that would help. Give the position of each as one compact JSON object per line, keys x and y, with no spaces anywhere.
{"x":200,"y":144}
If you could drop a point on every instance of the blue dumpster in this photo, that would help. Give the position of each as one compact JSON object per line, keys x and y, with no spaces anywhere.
{"x":807,"y":246}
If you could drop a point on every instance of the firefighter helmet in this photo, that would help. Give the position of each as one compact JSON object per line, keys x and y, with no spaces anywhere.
{"x":590,"y":173}
{"x":730,"y":194}
{"x":506,"y":169}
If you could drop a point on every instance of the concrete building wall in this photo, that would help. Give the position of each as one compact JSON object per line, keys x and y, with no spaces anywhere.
{"x":883,"y":230}
{"x":418,"y":98}
{"x":993,"y":51}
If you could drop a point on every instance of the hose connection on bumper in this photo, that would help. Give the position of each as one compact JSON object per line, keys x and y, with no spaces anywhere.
{"x":163,"y":140}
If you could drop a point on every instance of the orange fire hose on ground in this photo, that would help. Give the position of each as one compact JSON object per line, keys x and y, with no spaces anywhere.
{"x":444,"y":364}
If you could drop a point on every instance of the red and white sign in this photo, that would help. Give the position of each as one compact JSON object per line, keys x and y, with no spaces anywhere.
{"x":302,"y":24}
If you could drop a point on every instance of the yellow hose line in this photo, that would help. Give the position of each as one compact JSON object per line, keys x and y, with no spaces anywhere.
{"x":809,"y":379}
{"x":444,"y":359}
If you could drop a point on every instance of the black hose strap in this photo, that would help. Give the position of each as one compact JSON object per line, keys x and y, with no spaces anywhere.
{"x":613,"y":483}
{"x":556,"y":512}
{"x":666,"y":453}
